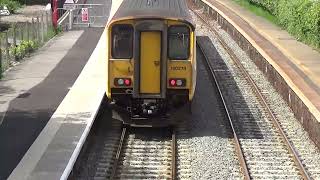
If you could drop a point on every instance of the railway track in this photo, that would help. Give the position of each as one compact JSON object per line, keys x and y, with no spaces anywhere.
{"x":145,"y":154}
{"x":262,"y":146}
{"x":114,"y":151}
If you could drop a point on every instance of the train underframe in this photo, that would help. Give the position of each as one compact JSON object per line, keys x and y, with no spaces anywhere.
{"x":153,"y":112}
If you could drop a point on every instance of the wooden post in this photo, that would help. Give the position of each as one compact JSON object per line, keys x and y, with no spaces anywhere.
{"x":42,"y":28}
{"x":14,"y":41}
{"x":7,"y":61}
{"x":32,"y":27}
{"x":21,"y":34}
{"x":28,"y":31}
{"x":1,"y":70}
{"x":38,"y":29}
{"x":47,"y":22}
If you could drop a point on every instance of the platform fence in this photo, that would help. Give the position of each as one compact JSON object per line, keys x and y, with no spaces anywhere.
{"x":22,"y":38}
{"x":73,"y":18}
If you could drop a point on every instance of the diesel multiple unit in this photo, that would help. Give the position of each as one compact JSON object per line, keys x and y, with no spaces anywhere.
{"x":151,"y":61}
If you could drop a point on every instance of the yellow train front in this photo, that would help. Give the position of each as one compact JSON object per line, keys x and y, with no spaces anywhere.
{"x":151,"y":62}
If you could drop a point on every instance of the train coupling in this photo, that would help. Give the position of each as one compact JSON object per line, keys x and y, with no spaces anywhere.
{"x":150,"y":107}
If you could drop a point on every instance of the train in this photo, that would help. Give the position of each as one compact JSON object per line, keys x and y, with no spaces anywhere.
{"x":151,"y":62}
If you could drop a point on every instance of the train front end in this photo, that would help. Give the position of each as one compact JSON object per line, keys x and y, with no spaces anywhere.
{"x":151,"y":70}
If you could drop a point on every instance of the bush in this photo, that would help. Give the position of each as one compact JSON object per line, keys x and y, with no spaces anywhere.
{"x":12,"y":5}
{"x":269,"y":5}
{"x":23,"y":48}
{"x":301,"y":18}
{"x":32,"y":2}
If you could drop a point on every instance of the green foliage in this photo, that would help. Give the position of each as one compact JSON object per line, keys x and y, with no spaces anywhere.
{"x":31,"y":2}
{"x":12,"y":5}
{"x":301,"y":18}
{"x":23,"y":48}
{"x":258,"y":10}
{"x":269,"y":5}
{"x":51,"y":33}
{"x":59,"y":30}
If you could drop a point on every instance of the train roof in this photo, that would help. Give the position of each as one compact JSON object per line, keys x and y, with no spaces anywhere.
{"x":159,"y":9}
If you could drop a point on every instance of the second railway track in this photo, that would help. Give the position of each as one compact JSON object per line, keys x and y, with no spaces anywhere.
{"x":264,"y":150}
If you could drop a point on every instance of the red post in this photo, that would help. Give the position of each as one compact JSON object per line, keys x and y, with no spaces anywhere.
{"x":55,"y":13}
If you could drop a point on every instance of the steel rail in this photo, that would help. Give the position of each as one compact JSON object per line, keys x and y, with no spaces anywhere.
{"x":243,"y":163}
{"x":173,"y":158}
{"x":261,"y":98}
{"x":119,"y":150}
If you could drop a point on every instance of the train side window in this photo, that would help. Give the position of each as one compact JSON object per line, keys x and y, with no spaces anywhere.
{"x":178,"y":42}
{"x":122,"y":41}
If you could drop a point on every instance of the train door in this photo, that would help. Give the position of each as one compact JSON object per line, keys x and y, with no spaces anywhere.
{"x":150,"y":62}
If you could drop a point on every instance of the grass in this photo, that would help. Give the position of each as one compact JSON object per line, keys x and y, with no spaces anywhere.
{"x":259,"y":11}
{"x":50,"y":34}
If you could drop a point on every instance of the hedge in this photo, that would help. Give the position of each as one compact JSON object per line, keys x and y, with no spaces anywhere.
{"x":301,"y":18}
{"x":12,"y":5}
{"x":30,"y":2}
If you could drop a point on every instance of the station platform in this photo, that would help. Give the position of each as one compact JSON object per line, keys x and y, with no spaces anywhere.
{"x":293,"y":67}
{"x":59,"y":141}
{"x":53,"y":153}
{"x":32,"y":91}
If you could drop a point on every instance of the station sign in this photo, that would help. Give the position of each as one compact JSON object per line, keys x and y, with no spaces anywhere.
{"x":68,"y":5}
{"x":85,"y":14}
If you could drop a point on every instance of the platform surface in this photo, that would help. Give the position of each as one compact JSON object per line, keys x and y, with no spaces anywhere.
{"x":298,"y":63}
{"x":58,"y":143}
{"x":55,"y":150}
{"x":31,"y":92}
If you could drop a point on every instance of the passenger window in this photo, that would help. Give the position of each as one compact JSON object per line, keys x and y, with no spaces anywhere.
{"x":122,"y":41}
{"x":178,"y":42}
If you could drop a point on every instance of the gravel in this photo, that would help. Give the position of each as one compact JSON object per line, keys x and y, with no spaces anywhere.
{"x":212,"y":155}
{"x":211,"y":152}
{"x":306,"y":149}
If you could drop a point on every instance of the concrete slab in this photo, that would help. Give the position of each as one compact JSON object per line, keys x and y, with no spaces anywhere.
{"x":55,"y":150}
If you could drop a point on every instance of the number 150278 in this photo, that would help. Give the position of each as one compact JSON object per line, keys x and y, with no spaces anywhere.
{"x":178,"y":68}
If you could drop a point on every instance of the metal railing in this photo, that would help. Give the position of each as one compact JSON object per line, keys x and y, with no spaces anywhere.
{"x":70,"y":18}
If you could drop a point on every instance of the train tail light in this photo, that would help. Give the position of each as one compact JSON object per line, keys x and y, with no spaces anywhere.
{"x":173,"y":82}
{"x":127,"y":82}
{"x":122,"y":82}
{"x":177,"y":82}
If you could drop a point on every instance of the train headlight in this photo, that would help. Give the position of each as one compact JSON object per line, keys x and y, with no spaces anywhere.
{"x":120,"y":82}
{"x":177,"y":82}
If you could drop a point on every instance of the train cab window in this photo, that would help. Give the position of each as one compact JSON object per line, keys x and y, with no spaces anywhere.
{"x":122,"y":41}
{"x":178,"y":42}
